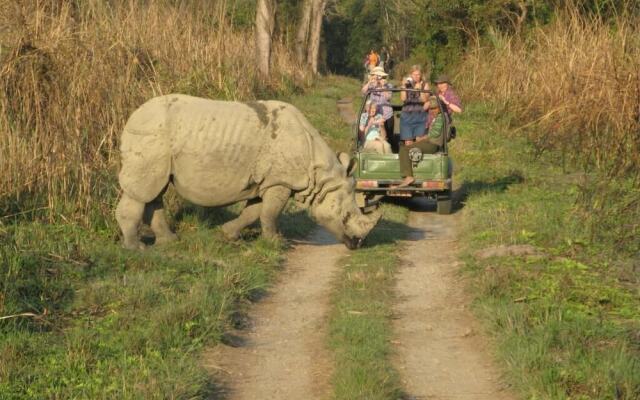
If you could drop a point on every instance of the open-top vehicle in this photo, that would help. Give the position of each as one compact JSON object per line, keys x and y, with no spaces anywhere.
{"x":377,"y":174}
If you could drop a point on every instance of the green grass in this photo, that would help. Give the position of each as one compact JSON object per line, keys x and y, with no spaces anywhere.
{"x":360,"y":322}
{"x":567,"y":323}
{"x":111,"y":323}
{"x":122,"y":324}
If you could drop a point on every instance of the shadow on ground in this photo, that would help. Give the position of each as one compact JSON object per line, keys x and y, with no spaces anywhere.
{"x":425,"y":204}
{"x":497,"y":185}
{"x":292,"y":224}
{"x":209,"y":217}
{"x":389,"y":232}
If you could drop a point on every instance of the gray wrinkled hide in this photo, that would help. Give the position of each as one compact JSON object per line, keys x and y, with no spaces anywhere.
{"x":219,"y":153}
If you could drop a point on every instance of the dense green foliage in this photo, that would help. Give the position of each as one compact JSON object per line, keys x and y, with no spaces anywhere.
{"x":436,"y":33}
{"x":427,"y":32}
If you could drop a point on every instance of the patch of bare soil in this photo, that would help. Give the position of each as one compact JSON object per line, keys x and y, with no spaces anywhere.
{"x":441,"y":353}
{"x":516,"y":250}
{"x":282,"y":355}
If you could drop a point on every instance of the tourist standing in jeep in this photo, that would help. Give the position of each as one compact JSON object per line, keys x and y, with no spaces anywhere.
{"x":413,"y":119}
{"x":447,"y":95}
{"x":377,"y":81}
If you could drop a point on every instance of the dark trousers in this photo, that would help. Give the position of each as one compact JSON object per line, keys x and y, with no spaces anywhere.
{"x":406,"y":169}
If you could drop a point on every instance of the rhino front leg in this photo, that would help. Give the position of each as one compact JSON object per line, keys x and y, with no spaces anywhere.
{"x":248,"y":216}
{"x":129,"y":214}
{"x":273,"y":201}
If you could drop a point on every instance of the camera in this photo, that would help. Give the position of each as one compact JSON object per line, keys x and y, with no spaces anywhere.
{"x":408,"y":83}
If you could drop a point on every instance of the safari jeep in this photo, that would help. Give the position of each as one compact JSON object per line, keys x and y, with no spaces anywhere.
{"x":376,"y":174}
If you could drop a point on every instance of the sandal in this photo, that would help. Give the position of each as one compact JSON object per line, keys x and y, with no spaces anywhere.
{"x":404,"y":183}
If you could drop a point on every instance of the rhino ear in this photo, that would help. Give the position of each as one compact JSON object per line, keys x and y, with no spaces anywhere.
{"x":347,"y":162}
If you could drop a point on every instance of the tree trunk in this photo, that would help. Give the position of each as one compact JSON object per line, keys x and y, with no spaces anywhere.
{"x":316,"y":30}
{"x":265,"y":16}
{"x":302,"y":36}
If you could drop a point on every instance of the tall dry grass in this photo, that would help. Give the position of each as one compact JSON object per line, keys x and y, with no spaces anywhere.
{"x":572,"y":85}
{"x":71,"y":72}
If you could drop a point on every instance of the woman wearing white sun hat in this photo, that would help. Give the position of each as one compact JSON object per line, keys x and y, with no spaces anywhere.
{"x":378,"y":80}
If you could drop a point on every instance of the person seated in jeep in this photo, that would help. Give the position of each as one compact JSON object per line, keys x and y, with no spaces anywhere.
{"x":427,"y":144}
{"x":372,"y":130}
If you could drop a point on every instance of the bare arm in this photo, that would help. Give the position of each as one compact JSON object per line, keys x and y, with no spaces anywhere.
{"x":451,"y":105}
{"x":454,"y":108}
{"x":365,"y":87}
{"x":363,"y":127}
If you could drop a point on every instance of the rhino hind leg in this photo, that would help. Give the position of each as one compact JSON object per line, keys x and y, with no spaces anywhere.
{"x":154,"y":215}
{"x":248,"y":216}
{"x":129,"y":213}
{"x":273,"y":201}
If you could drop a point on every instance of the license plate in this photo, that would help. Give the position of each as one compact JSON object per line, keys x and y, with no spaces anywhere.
{"x":398,"y":193}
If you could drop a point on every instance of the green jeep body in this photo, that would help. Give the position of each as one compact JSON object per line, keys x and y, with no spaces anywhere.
{"x":375,"y":174}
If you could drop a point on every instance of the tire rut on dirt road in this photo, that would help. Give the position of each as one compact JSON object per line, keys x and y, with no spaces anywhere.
{"x":282,"y":355}
{"x":440,"y":352}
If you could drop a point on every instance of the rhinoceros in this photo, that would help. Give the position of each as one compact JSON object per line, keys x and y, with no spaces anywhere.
{"x":218,"y":153}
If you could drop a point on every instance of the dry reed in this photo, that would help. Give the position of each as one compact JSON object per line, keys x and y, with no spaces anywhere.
{"x":71,"y":73}
{"x":573,"y":85}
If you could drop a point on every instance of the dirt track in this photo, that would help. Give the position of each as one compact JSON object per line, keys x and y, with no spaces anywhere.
{"x":440,"y":352}
{"x":282,"y":355}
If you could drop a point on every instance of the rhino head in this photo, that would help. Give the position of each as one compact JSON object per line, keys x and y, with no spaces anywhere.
{"x":338,"y":213}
